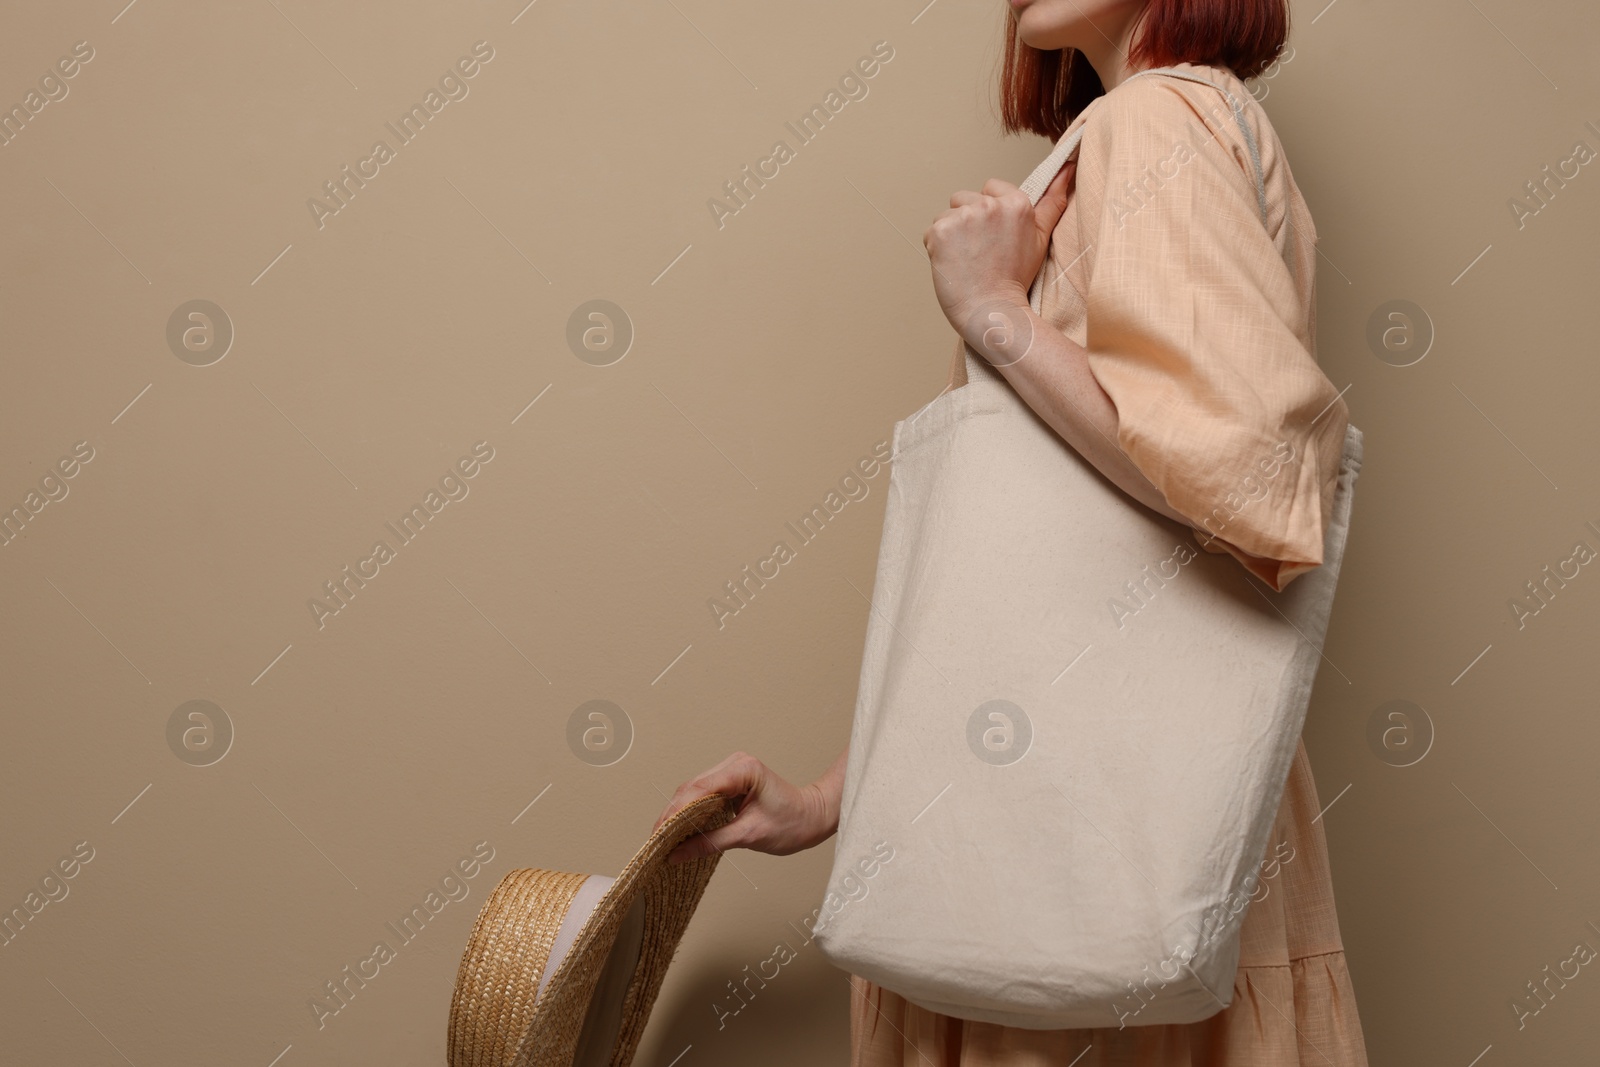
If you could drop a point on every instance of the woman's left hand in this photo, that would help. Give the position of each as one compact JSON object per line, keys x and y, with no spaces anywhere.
{"x":987,"y":249}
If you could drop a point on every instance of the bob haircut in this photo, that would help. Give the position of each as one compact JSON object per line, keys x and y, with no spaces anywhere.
{"x":1043,"y":91}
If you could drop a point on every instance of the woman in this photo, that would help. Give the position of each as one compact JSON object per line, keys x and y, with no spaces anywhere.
{"x":1175,"y":340}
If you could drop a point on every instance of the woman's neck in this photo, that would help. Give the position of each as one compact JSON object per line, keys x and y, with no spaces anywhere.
{"x":1106,"y":49}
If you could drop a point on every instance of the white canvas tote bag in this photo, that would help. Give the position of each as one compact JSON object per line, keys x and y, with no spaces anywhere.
{"x":1049,"y":821}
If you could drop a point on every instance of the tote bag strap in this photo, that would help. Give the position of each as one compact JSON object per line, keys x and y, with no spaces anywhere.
{"x":1036,"y":183}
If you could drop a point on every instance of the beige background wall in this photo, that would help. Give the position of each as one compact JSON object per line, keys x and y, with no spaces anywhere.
{"x":370,"y":753}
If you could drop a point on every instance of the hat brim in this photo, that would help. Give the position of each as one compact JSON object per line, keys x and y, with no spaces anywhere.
{"x":498,"y":1016}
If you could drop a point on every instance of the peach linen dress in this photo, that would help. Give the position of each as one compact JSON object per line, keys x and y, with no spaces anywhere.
{"x":1200,"y":325}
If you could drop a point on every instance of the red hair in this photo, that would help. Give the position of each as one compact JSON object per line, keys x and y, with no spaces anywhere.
{"x":1041,"y":91}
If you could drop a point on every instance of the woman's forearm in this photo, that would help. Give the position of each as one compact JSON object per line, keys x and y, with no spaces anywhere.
{"x":1054,"y":379}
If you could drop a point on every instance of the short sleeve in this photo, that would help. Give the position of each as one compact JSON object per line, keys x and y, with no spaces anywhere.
{"x":1198,"y":330}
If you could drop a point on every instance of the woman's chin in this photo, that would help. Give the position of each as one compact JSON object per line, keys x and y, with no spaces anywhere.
{"x":1030,"y":33}
{"x":1041,"y":42}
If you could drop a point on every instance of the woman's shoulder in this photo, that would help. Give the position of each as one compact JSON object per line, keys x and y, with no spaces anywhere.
{"x":1171,"y":107}
{"x":1152,"y":113}
{"x":1164,"y":107}
{"x":1172,"y":96}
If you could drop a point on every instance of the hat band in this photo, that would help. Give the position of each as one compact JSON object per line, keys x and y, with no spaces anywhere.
{"x":603,"y":1020}
{"x":583,"y":904}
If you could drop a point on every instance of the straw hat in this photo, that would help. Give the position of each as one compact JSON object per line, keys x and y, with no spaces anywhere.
{"x":561,"y":969}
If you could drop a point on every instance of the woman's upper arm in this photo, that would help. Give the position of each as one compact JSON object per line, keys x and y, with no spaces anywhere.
{"x":1194,"y":330}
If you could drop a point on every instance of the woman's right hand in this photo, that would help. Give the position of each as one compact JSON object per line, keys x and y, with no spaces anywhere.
{"x":774,"y":815}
